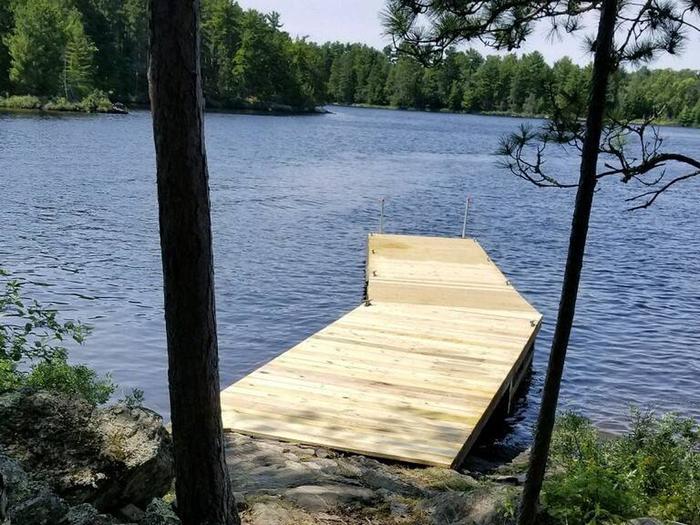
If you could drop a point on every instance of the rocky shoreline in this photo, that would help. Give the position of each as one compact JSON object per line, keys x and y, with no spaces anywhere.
{"x":284,"y":484}
{"x":63,"y":462}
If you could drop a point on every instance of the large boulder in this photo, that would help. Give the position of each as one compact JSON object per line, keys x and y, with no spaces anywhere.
{"x":24,"y":500}
{"x":108,"y":457}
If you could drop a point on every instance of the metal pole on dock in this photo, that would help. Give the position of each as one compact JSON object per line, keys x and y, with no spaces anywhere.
{"x":381,"y":215}
{"x":466,"y":215}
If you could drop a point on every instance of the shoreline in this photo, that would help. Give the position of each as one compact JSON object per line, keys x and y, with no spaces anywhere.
{"x":61,"y":111}
{"x":505,"y":114}
{"x":95,"y":102}
{"x":273,"y":112}
{"x":288,"y":111}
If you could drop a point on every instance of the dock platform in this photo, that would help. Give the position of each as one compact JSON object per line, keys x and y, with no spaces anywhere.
{"x":413,"y":373}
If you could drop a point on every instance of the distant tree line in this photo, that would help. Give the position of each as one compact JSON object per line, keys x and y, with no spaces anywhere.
{"x":525,"y":85}
{"x":69,"y":48}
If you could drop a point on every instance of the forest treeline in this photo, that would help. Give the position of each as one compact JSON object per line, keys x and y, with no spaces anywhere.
{"x":70,"y":49}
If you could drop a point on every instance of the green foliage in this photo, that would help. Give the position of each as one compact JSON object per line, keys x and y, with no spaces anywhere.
{"x":61,"y":104}
{"x":9,"y":378}
{"x":78,"y":59}
{"x":48,"y":49}
{"x":221,"y":38}
{"x":653,"y":470}
{"x":119,"y":31}
{"x":57,"y":375}
{"x":6,"y":25}
{"x":32,"y":351}
{"x":36,"y":46}
{"x":20,"y":102}
{"x":405,"y":84}
{"x":69,"y":48}
{"x":95,"y":102}
{"x":133,"y":399}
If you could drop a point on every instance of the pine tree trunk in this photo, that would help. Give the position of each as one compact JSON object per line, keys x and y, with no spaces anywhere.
{"x":602,"y":68}
{"x":204,"y":496}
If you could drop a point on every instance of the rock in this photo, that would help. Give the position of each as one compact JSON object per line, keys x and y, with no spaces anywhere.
{"x":86,"y":514}
{"x":322,"y":453}
{"x":273,"y":512}
{"x":240,"y":499}
{"x":645,"y":521}
{"x":131,"y":512}
{"x":284,"y":484}
{"x":324,"y":497}
{"x":106,"y":457}
{"x":140,"y":450}
{"x":399,"y":509}
{"x":483,"y":506}
{"x":450,"y":508}
{"x":3,"y":499}
{"x":159,"y":512}
{"x":440,"y":479}
{"x":487,"y":504}
{"x":508,"y":479}
{"x":265,"y":467}
{"x":377,"y":479}
{"x":26,"y":501}
{"x":43,"y":508}
{"x":119,"y":108}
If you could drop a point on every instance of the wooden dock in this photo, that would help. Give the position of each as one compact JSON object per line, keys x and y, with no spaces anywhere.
{"x":412,"y":374}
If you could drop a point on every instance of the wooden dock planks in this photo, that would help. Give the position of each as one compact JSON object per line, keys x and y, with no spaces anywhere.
{"x":413,"y":374}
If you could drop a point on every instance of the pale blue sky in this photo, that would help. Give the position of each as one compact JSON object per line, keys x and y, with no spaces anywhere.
{"x":358,"y":21}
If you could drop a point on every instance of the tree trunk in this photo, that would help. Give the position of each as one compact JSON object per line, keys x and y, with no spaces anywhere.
{"x":204,"y":496}
{"x":602,"y":68}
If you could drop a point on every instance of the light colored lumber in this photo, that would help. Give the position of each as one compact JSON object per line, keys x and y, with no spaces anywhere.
{"x":413,"y":374}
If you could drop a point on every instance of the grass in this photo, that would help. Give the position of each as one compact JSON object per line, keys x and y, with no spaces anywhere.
{"x":436,"y":478}
{"x":20,"y":102}
{"x":95,"y":102}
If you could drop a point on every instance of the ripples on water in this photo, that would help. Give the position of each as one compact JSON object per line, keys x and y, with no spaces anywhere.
{"x":293,"y":199}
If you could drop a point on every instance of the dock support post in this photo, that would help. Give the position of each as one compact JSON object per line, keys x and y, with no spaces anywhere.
{"x":466,"y":215}
{"x":519,"y":377}
{"x":381,"y":215}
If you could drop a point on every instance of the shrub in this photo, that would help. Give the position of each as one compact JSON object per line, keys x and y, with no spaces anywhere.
{"x":20,"y":102}
{"x":62,"y":104}
{"x":96,"y":102}
{"x":74,"y":380}
{"x":32,"y":352}
{"x":653,"y":470}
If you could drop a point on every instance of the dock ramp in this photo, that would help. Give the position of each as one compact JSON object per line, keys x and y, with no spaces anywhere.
{"x":413,"y":373}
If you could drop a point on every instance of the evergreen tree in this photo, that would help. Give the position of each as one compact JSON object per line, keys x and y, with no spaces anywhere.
{"x":6,"y":25}
{"x":376,"y":81}
{"x":37,"y":46}
{"x":221,"y":38}
{"x":78,"y":67}
{"x":528,"y":83}
{"x":342,"y":81}
{"x":483,"y":93}
{"x":404,"y":84}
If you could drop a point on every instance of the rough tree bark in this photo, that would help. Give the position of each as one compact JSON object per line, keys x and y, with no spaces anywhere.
{"x":602,"y":68}
{"x":204,"y":496}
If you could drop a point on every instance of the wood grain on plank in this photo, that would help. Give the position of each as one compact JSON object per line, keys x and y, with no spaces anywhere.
{"x":414,"y":375}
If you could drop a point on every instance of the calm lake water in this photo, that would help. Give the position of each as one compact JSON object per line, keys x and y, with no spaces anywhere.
{"x":293,"y":199}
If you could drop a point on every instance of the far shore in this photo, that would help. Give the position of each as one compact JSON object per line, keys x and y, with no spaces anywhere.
{"x":507,"y":114}
{"x":281,"y":110}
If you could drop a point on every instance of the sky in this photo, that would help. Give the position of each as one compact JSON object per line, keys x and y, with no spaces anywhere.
{"x":359,"y":21}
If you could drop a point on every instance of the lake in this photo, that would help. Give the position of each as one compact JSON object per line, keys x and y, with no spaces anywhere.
{"x":293,"y":199}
